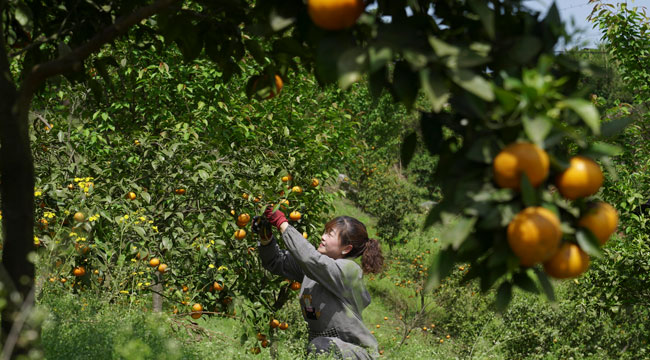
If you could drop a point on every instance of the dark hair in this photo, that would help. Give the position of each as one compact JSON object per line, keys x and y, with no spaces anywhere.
{"x":352,"y":232}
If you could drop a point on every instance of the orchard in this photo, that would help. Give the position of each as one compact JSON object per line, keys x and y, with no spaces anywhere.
{"x":139,"y":140}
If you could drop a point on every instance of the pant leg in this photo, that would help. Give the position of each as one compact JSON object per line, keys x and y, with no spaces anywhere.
{"x":337,"y":348}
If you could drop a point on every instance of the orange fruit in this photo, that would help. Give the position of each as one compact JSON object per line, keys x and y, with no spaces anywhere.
{"x":162,"y":268}
{"x":265,"y":343}
{"x":240,"y":234}
{"x":297,"y":189}
{"x":154,"y":262}
{"x":295,"y":216}
{"x":274,"y":323}
{"x":244,"y":196}
{"x":305,"y":235}
{"x":534,"y":235}
{"x":63,"y":280}
{"x":131,"y":195}
{"x":256,"y":199}
{"x":518,"y":158}
{"x":335,"y":14}
{"x":180,"y":191}
{"x":314,"y":182}
{"x":568,"y":262}
{"x":79,"y":271}
{"x":70,"y":186}
{"x":244,"y":218}
{"x":601,"y":219}
{"x":196,"y":311}
{"x":256,"y":350}
{"x":582,"y":178}
{"x":185,"y":288}
{"x":284,"y":326}
{"x":78,"y":216}
{"x":295,"y":285}
{"x":217,"y":286}
{"x":261,"y":337}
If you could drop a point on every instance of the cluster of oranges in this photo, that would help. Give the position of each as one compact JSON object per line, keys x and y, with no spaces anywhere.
{"x":535,"y":234}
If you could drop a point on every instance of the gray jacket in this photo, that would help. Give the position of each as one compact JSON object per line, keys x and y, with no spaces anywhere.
{"x":332,"y":295}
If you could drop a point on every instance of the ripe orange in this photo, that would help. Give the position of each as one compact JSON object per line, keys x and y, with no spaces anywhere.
{"x":335,"y":14}
{"x":297,"y":189}
{"x":518,"y":158}
{"x":295,"y":285}
{"x":261,"y":337}
{"x":314,"y":182}
{"x":601,"y":219}
{"x":154,"y":262}
{"x":79,"y":217}
{"x":582,"y":178}
{"x":79,"y":271}
{"x":185,"y":288}
{"x":305,"y":235}
{"x":131,"y":195}
{"x":285,"y":178}
{"x":256,"y":350}
{"x":240,"y":234}
{"x":217,"y":286}
{"x":256,"y":199}
{"x":180,"y":191}
{"x":265,"y":343}
{"x":162,"y":268}
{"x":568,"y":262}
{"x":244,"y":218}
{"x":284,"y":326}
{"x":274,"y":323}
{"x":196,"y":311}
{"x":295,"y":216}
{"x":534,"y":235}
{"x":244,"y":196}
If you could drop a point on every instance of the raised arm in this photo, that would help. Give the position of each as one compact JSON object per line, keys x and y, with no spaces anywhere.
{"x":280,"y":262}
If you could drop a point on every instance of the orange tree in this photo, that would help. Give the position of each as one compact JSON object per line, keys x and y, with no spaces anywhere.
{"x":493,"y":63}
{"x":177,"y":190}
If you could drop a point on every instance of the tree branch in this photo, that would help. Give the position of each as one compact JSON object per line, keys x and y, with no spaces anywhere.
{"x":73,"y":60}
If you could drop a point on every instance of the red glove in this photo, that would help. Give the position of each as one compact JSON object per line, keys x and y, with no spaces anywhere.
{"x":276,"y":218}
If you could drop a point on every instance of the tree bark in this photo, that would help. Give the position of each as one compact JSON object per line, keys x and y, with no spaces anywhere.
{"x":156,"y":298}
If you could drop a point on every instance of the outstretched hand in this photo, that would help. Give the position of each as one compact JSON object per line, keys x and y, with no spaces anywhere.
{"x":276,"y":218}
{"x":261,"y":226}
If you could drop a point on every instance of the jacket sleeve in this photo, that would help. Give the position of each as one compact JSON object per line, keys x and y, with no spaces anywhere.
{"x":280,"y":262}
{"x":338,"y":276}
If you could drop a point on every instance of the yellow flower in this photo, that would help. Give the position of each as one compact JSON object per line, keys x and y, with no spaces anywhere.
{"x":212,"y":242}
{"x":37,"y":193}
{"x":155,"y":228}
{"x":36,"y":241}
{"x":77,"y":179}
{"x":133,"y":260}
{"x":126,"y":216}
{"x":150,"y":221}
{"x":66,"y":212}
{"x":48,"y":214}
{"x":142,"y":218}
{"x":139,"y":284}
{"x":86,"y":189}
{"x":73,"y":234}
{"x":123,"y":292}
{"x":221,"y":268}
{"x":147,"y":284}
{"x":211,"y":266}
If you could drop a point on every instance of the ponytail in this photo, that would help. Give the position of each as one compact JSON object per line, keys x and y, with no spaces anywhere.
{"x":372,"y":260}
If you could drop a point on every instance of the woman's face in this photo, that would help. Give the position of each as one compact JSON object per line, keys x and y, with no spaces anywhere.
{"x":330,"y":245}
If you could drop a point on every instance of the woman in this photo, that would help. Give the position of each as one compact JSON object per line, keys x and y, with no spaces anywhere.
{"x":332,"y":295}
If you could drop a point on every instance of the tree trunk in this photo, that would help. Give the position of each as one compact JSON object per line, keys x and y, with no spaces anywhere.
{"x":17,"y":191}
{"x":156,"y":297}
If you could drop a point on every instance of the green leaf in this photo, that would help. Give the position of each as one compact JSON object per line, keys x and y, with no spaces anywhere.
{"x":485,"y":14}
{"x":140,"y":231}
{"x":146,"y":196}
{"x":254,"y":48}
{"x":434,"y":88}
{"x":587,"y":111}
{"x":458,"y":232}
{"x":545,"y":283}
{"x":378,"y":57}
{"x":525,"y":282}
{"x":167,"y":243}
{"x":599,"y":149}
{"x":23,"y":14}
{"x":405,"y":82}
{"x":525,"y":49}
{"x":528,"y":193}
{"x":279,"y":21}
{"x":351,"y":65}
{"x":431,"y":132}
{"x":439,"y":268}
{"x":537,"y":128}
{"x":504,"y":295}
{"x":408,"y":149}
{"x":483,"y":150}
{"x":588,"y":242}
{"x":473,"y":83}
{"x":615,"y":127}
